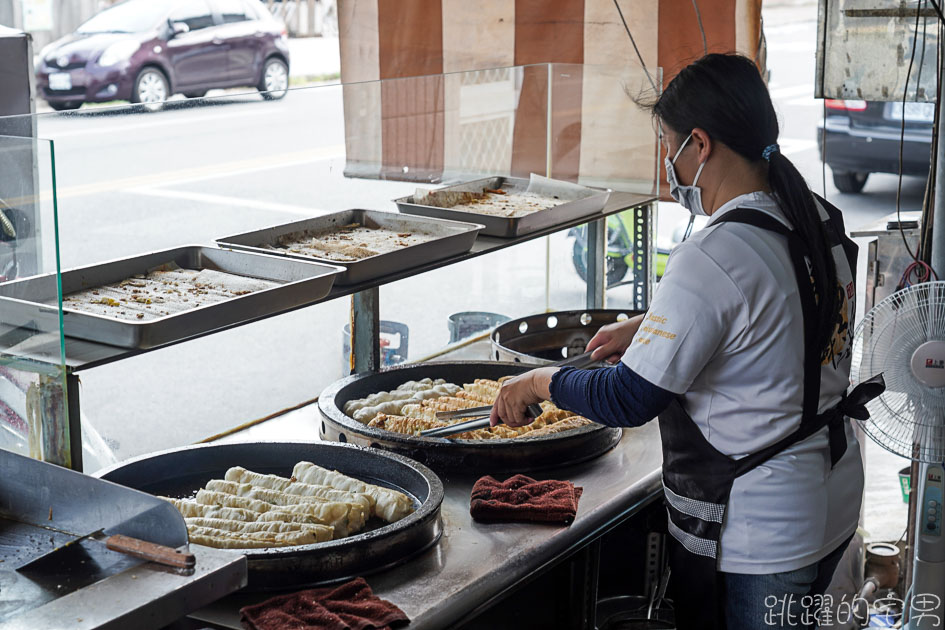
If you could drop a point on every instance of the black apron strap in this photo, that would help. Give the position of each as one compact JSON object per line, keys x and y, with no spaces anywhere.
{"x":811,"y":422}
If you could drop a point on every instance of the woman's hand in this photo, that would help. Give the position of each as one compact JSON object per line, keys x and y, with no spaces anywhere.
{"x":612,"y":340}
{"x":519,"y":392}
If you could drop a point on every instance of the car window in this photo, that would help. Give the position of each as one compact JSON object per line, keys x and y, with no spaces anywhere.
{"x":232,"y":11}
{"x":255,"y":11}
{"x":131,"y":16}
{"x":194,"y":13}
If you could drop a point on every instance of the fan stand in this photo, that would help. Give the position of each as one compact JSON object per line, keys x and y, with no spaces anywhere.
{"x":927,"y":602}
{"x":926,"y":610}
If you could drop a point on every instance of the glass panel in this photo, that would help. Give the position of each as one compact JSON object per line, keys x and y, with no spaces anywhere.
{"x":132,"y":180}
{"x":33,"y":417}
{"x":502,"y":122}
{"x":865,"y":48}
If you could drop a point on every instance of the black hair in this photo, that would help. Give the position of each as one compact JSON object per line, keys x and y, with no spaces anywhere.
{"x":726,"y":97}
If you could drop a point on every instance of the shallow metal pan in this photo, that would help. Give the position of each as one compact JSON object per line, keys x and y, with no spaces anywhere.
{"x":445,"y":455}
{"x":510,"y":227}
{"x":302,"y":283}
{"x":181,"y":472}
{"x":451,"y":239}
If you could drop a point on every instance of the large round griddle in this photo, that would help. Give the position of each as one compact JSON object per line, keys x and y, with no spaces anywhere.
{"x":549,"y":337}
{"x":450,"y":455}
{"x":181,"y":472}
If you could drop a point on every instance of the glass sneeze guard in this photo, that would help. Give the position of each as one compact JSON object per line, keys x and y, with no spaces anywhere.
{"x":131,"y":181}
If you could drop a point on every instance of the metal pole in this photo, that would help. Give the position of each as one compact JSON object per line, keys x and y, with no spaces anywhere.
{"x":366,"y":331}
{"x":549,"y":139}
{"x":938,"y":215}
{"x":596,"y":257}
{"x":74,"y":418}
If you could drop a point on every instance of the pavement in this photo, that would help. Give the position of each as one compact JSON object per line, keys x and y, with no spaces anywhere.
{"x":314,"y":57}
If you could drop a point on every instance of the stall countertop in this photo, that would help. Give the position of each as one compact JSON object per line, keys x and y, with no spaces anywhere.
{"x":146,"y":595}
{"x":476,"y":564}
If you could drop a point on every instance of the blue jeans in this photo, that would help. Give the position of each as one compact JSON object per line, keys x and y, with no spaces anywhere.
{"x":778,"y":601}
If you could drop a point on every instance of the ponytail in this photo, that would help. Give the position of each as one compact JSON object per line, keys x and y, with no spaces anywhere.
{"x":797,"y":202}
{"x":726,"y":96}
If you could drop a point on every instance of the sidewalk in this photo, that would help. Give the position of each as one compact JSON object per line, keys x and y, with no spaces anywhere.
{"x":314,"y":58}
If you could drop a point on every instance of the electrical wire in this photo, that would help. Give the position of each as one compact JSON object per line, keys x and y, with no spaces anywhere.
{"x":705,"y":46}
{"x":823,"y":130}
{"x":635,"y":49}
{"x":705,"y":49}
{"x":902,"y":138}
{"x":762,"y":40}
{"x":823,"y":149}
{"x":918,"y":76}
{"x":916,"y":272}
{"x":928,"y":203}
{"x":938,"y":10}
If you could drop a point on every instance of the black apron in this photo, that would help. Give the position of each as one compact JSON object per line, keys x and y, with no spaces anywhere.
{"x":697,"y":478}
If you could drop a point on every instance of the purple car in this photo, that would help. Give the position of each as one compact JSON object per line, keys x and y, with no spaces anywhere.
{"x":144,"y":51}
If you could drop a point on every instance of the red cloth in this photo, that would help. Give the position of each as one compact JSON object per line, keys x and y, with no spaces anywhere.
{"x":348,"y":606}
{"x":522,"y":498}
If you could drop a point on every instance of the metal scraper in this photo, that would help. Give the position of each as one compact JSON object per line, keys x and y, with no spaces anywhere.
{"x":123,"y":544}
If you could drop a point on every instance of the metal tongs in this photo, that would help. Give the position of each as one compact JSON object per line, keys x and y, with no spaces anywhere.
{"x":480,"y":415}
{"x":480,"y":420}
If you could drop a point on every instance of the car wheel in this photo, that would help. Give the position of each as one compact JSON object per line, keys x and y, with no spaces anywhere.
{"x":196,"y":94}
{"x":275,"y":79}
{"x":151,"y":89}
{"x":850,"y":182}
{"x":64,"y":107}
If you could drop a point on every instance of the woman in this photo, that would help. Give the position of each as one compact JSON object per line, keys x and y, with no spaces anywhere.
{"x":744,"y":355}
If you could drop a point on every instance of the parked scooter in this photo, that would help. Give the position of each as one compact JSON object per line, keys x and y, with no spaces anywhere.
{"x":620,"y":236}
{"x":9,"y":218}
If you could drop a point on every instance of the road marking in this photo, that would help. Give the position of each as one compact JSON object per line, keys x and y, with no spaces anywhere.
{"x":210,"y":117}
{"x":793,"y":146}
{"x":793,"y":90}
{"x":797,"y":46}
{"x":790,"y":27}
{"x":228,"y":201}
{"x":186,"y":176}
{"x":805,"y":102}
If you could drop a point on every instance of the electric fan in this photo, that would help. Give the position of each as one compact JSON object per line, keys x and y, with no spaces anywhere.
{"x":903,"y":338}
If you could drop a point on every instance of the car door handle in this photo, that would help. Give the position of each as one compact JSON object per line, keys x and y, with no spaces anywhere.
{"x":217,"y":41}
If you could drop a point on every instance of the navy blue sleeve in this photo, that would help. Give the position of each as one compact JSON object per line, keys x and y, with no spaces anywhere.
{"x":616,"y":396}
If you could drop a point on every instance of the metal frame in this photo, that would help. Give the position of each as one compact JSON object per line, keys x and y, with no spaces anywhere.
{"x":365,"y":304}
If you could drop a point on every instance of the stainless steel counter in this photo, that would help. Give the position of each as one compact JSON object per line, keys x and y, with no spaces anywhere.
{"x":145,"y":595}
{"x":474,"y":565}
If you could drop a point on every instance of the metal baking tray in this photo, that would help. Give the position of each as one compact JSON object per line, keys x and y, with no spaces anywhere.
{"x":509,"y":227}
{"x":451,"y":239}
{"x":457,"y":456}
{"x":303,"y":283}
{"x":181,"y":472}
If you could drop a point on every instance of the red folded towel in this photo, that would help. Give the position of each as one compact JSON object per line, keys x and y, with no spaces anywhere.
{"x":522,"y":498}
{"x":348,"y":606}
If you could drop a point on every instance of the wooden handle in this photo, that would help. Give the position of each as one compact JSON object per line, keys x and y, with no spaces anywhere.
{"x":151,"y":551}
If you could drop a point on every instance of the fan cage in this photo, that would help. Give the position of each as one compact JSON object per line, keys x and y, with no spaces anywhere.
{"x":908,"y":419}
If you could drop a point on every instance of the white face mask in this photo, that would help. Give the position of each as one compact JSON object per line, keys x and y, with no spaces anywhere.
{"x":689,"y":197}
